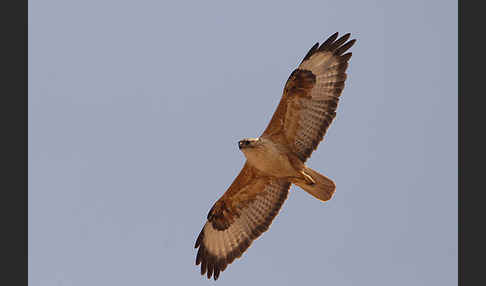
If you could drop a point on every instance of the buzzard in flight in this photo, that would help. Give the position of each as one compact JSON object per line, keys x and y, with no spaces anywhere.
{"x":276,"y":159}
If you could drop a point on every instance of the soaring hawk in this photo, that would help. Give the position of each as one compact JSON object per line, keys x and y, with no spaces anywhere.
{"x":276,"y":159}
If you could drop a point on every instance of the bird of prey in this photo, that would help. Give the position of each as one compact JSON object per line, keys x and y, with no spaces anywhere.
{"x":276,"y":159}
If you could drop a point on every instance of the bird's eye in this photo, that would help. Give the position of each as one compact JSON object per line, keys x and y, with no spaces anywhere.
{"x":247,"y":142}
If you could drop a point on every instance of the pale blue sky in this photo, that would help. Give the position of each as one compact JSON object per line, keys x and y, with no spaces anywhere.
{"x":135,"y":109}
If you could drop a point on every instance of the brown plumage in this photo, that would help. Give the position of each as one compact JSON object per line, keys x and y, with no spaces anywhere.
{"x":308,"y":109}
{"x":276,"y":159}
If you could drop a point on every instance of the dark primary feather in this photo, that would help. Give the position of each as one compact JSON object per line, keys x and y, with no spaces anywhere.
{"x":311,"y":51}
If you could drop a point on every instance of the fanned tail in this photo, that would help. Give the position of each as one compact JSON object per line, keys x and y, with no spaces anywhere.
{"x":323,"y":188}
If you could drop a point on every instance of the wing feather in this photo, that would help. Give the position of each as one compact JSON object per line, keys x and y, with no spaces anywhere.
{"x":310,"y":98}
{"x":240,"y":216}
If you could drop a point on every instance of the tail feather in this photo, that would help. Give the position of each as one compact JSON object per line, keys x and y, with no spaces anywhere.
{"x":323,"y":188}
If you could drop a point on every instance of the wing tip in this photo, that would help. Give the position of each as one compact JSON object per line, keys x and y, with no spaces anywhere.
{"x":211,"y":265}
{"x":346,"y":57}
{"x":343,"y":48}
{"x":333,"y":44}
{"x":312,"y":50}
{"x":337,"y":45}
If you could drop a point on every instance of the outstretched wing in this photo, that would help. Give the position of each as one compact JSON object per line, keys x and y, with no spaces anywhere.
{"x":311,"y":95}
{"x":242,"y":214}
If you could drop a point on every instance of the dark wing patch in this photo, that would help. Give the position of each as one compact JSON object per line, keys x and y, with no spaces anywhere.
{"x":300,"y":83}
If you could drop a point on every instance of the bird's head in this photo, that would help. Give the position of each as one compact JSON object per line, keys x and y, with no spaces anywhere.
{"x":248,"y":143}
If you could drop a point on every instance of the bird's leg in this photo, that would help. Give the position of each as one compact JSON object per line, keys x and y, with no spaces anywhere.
{"x":308,"y":179}
{"x":302,"y":179}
